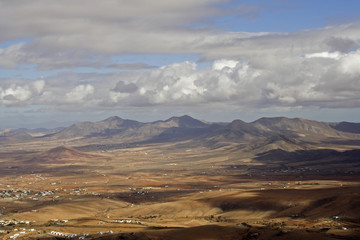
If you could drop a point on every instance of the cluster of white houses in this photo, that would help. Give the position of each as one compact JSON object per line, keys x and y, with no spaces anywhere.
{"x":19,"y":234}
{"x":74,"y":235}
{"x":18,"y":194}
{"x":67,"y":235}
{"x":127,"y":221}
{"x":14,"y":194}
{"x":12,"y":222}
{"x":21,"y":194}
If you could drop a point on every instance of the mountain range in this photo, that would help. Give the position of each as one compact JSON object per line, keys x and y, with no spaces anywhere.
{"x":280,"y":130}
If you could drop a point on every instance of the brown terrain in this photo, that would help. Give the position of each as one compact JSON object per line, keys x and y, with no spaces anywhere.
{"x":275,"y":178}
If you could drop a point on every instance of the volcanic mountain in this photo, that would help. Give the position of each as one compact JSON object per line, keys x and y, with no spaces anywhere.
{"x":61,"y":154}
{"x":346,"y":127}
{"x":109,"y":126}
{"x":275,"y":133}
{"x":264,"y":133}
{"x":15,"y":137}
{"x":65,"y":152}
{"x":175,"y":128}
{"x":121,"y":130}
{"x":295,"y":126}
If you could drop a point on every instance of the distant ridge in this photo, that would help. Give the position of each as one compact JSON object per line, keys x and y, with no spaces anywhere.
{"x":347,"y":127}
{"x":15,"y":137}
{"x":108,"y":126}
{"x":118,"y":128}
{"x":264,"y":133}
{"x":294,"y":125}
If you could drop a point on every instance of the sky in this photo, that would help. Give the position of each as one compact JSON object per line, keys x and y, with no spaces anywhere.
{"x":64,"y":61}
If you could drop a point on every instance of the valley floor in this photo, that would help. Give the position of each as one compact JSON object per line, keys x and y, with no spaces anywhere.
{"x":161,"y":191}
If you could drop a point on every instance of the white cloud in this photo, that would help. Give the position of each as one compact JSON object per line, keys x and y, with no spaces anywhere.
{"x":79,"y":93}
{"x":316,"y":67}
{"x":15,"y":95}
{"x":107,"y":27}
{"x":87,"y":33}
{"x":221,"y":64}
{"x":20,"y":93}
{"x":11,"y":56}
{"x":350,"y":63}
{"x":332,"y":55}
{"x":14,"y":55}
{"x":294,"y":81}
{"x":39,"y":85}
{"x":62,"y":34}
{"x":125,"y":88}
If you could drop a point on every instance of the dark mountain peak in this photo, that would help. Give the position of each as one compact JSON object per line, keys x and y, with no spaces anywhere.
{"x":186,"y":122}
{"x":186,"y":117}
{"x":111,"y":122}
{"x":112,"y":119}
{"x":115,"y":122}
{"x":236,"y":131}
{"x":181,"y":118}
{"x":237,"y":123}
{"x":273,"y":120}
{"x":240,"y":128}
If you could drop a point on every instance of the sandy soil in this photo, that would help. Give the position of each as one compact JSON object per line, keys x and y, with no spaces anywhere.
{"x":161,"y":192}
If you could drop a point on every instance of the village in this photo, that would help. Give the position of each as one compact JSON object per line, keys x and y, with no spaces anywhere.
{"x":20,"y":229}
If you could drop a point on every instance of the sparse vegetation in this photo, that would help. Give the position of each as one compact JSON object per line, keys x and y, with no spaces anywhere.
{"x":176,"y":187}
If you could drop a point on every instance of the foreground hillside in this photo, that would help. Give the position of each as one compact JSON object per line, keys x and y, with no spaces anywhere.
{"x":275,"y":178}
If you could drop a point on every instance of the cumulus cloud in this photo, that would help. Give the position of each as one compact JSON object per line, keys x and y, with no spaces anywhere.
{"x":39,"y":85}
{"x":79,"y":93}
{"x":329,"y":80}
{"x":314,"y":67}
{"x":325,"y":79}
{"x":125,"y":88}
{"x":219,"y":65}
{"x":350,"y":63}
{"x":21,"y":94}
{"x":333,"y":55}
{"x":341,"y":44}
{"x":16,"y":93}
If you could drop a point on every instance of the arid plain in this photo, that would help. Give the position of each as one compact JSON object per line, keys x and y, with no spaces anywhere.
{"x":275,"y":178}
